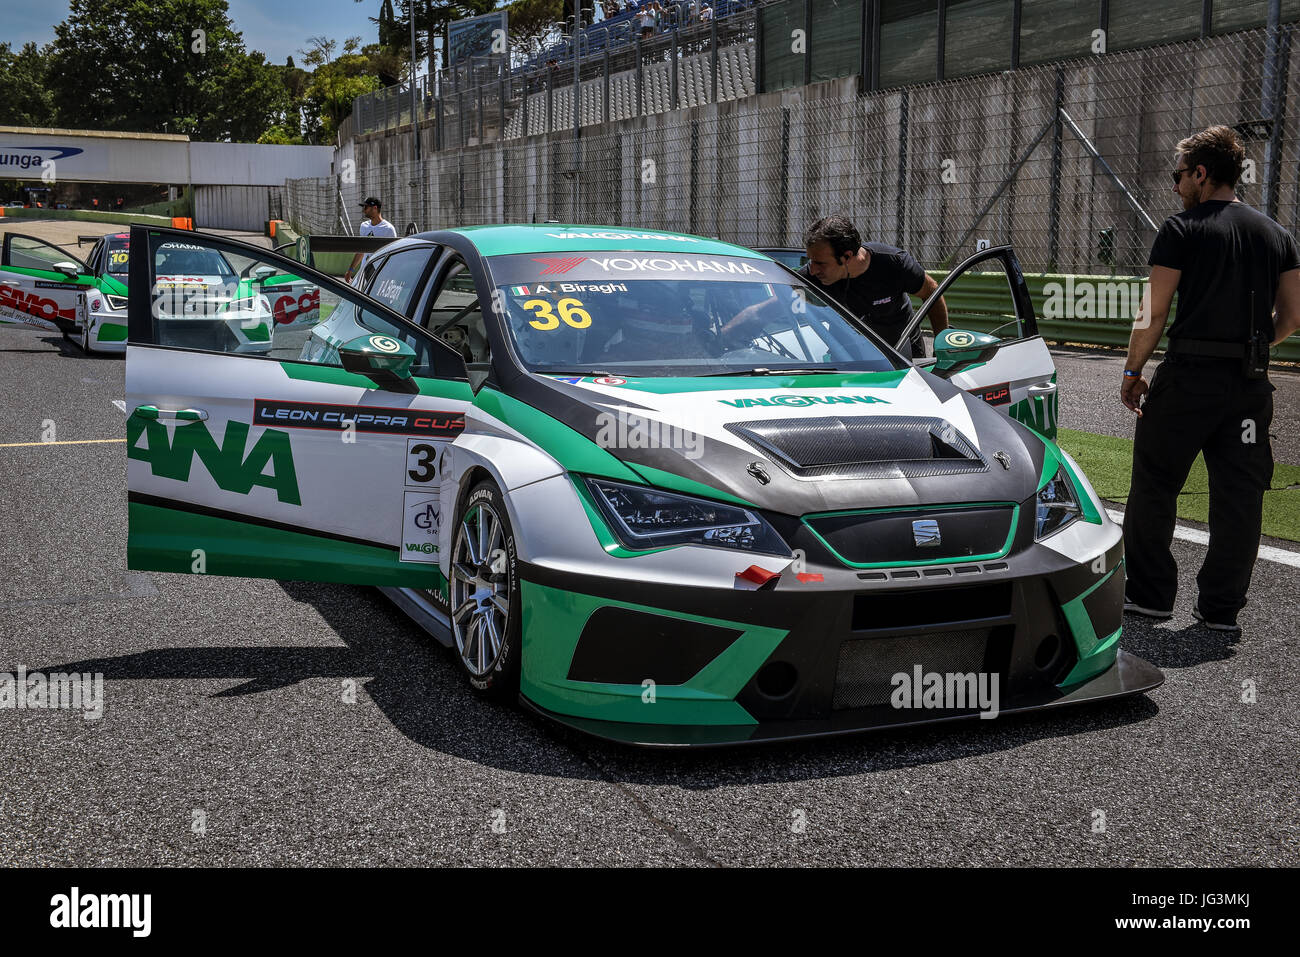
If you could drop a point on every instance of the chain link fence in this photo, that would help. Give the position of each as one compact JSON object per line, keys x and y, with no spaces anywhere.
{"x":1068,"y":161}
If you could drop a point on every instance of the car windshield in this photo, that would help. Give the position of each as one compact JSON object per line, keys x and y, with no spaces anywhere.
{"x":118,"y":256}
{"x":662,"y":314}
{"x":174,"y":259}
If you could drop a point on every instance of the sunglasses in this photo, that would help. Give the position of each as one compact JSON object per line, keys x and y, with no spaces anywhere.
{"x":1177,"y":174}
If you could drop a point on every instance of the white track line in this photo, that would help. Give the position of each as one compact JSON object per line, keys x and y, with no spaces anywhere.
{"x":1267,"y":552}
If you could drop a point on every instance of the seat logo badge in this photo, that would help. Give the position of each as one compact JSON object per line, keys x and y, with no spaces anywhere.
{"x":925,"y":533}
{"x":760,"y":473}
{"x":1003,"y":459}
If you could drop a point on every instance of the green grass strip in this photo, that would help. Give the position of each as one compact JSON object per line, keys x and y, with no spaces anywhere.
{"x":1108,"y":463}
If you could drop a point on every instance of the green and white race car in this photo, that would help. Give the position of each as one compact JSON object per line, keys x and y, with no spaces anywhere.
{"x":651,"y":485}
{"x":43,"y":285}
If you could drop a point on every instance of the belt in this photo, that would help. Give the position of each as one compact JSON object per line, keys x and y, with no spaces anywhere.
{"x":1207,"y":348}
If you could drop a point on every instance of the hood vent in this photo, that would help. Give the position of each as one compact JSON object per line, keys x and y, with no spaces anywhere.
{"x":878,"y":446}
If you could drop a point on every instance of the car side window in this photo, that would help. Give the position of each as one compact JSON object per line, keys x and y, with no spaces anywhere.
{"x":212,"y":295}
{"x":396,"y":279}
{"x":27,"y":252}
{"x":982,"y":300}
{"x":456,"y":315}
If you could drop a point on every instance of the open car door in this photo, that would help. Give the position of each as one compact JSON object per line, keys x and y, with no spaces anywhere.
{"x":39,"y":283}
{"x":263,"y":463}
{"x":992,"y":347}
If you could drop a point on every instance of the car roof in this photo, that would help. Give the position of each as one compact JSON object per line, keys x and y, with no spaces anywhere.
{"x":501,"y":240}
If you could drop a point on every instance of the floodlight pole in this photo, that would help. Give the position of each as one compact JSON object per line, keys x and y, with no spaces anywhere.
{"x":415,"y":117}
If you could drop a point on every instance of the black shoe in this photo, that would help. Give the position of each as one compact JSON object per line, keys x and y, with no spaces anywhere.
{"x":1135,"y":609}
{"x":1213,"y":625}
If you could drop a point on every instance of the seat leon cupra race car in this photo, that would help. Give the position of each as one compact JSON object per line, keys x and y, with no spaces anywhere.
{"x":651,"y":484}
{"x":43,"y":285}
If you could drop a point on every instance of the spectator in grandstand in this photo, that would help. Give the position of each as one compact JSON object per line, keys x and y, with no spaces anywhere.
{"x":647,"y":19}
{"x":706,"y":11}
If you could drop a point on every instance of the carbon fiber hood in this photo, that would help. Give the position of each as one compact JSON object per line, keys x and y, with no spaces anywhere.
{"x":797,"y":445}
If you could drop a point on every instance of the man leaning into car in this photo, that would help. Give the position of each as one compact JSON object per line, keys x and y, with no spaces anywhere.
{"x":871,"y":280}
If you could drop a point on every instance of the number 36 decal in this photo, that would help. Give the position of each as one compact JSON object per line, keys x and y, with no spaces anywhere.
{"x":425,"y":461}
{"x":571,"y":312}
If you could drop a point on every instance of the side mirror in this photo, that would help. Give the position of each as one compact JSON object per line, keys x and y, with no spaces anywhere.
{"x":957,"y":349}
{"x":71,"y":270}
{"x":383,"y":360}
{"x":263,"y":272}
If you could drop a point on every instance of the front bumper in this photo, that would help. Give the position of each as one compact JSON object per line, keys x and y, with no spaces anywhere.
{"x":660,"y":665}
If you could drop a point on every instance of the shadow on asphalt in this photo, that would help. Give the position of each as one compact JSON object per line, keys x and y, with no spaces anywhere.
{"x":1185,"y":647}
{"x":416,"y":684}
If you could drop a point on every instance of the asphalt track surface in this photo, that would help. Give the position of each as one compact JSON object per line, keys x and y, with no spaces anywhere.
{"x":226,"y":697}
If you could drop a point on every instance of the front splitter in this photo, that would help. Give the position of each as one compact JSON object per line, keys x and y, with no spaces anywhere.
{"x":1129,"y":675}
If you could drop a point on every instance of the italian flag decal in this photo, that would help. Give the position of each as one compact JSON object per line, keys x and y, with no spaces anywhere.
{"x":519,"y":290}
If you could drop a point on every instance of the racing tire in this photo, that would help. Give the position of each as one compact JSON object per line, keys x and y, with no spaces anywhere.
{"x":484,"y":595}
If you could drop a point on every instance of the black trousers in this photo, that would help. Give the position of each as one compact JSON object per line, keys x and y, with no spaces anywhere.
{"x":1209,"y":406}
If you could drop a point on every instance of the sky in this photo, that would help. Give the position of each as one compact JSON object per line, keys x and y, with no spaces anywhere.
{"x":278,"y":28}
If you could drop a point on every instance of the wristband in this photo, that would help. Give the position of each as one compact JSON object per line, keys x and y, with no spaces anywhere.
{"x":1130,"y":374}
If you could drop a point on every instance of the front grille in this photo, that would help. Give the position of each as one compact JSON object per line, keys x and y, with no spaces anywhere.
{"x":917,"y":608}
{"x":873,"y":538}
{"x":864,"y":676}
{"x":877,"y":446}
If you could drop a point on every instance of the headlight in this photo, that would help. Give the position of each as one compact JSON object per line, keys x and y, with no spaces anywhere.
{"x":649,"y":518}
{"x":1058,"y":505}
{"x":116,"y":302}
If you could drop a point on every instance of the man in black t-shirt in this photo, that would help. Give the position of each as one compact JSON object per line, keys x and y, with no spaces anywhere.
{"x":1231,"y":267}
{"x":872,"y":280}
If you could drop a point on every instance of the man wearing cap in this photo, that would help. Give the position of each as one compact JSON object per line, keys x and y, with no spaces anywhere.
{"x":375,"y":225}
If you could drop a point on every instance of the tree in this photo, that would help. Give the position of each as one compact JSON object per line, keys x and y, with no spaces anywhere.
{"x":530,"y":24}
{"x":390,"y":66}
{"x":335,"y":83}
{"x":177,"y":65}
{"x":25,"y":98}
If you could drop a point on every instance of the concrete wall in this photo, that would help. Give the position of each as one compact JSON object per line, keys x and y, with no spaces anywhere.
{"x":95,"y":157}
{"x":256,"y":164}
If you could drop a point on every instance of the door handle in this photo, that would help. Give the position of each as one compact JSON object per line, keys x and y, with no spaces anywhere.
{"x":1042,"y":388}
{"x":181,"y":415}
